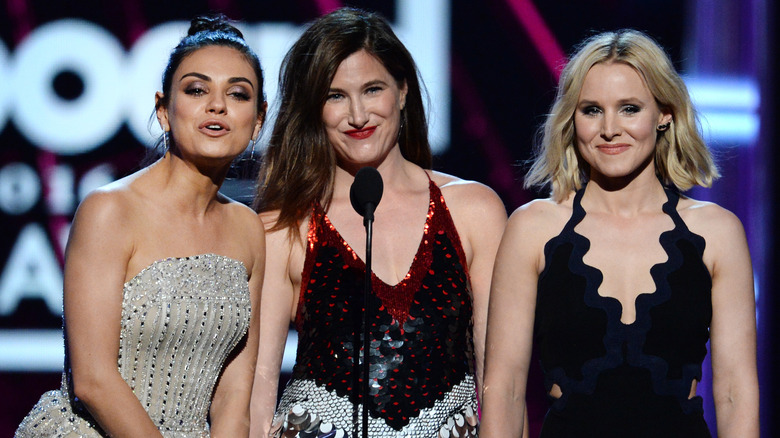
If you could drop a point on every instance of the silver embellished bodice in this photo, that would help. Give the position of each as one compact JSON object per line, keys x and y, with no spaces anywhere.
{"x":181,"y":318}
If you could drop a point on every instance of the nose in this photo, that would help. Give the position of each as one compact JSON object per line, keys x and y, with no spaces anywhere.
{"x":217,"y":104}
{"x":610,"y":126}
{"x":358,"y":116}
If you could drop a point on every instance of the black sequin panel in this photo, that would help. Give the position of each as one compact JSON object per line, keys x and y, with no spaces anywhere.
{"x":421,"y":342}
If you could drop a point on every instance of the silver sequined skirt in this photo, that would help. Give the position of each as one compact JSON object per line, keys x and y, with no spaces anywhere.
{"x":53,"y":417}
{"x":309,"y":411}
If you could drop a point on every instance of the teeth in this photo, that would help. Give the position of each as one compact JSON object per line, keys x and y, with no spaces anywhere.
{"x":214,"y":127}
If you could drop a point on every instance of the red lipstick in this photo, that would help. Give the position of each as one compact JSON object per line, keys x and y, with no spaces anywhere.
{"x":361,"y":134}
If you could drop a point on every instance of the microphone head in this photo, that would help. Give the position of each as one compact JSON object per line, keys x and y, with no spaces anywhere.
{"x":366,"y":191}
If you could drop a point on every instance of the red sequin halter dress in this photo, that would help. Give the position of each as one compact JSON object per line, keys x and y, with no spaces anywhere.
{"x":421,"y":366}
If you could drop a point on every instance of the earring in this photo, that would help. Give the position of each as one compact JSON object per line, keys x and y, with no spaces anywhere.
{"x":401,"y":127}
{"x":252,"y":153}
{"x":165,"y":141}
{"x":664,"y":127}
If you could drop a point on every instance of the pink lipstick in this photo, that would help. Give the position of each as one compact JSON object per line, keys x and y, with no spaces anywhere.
{"x":613,"y":149}
{"x":214,"y":128}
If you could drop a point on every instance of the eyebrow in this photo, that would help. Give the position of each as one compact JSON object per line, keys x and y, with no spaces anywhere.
{"x":628,"y":100}
{"x":366,"y":85}
{"x":374,"y":82}
{"x":232,"y":80}
{"x":587,"y":103}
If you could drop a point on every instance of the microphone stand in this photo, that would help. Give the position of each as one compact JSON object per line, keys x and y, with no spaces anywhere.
{"x":368,"y":221}
{"x":365,"y":194}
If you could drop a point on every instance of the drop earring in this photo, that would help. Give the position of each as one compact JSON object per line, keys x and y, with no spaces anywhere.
{"x":401,"y":127}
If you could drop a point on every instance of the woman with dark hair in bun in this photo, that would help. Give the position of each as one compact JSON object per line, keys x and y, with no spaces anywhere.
{"x":163,"y":273}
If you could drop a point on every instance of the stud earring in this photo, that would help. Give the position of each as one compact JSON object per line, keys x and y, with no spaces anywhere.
{"x":664,"y":127}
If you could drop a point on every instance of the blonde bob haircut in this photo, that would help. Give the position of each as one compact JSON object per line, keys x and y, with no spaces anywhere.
{"x":682,"y":160}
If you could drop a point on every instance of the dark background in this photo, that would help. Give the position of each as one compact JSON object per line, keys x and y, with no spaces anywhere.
{"x":501,"y":89}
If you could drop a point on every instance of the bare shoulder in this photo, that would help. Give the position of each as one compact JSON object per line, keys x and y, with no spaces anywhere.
{"x":709,"y":220}
{"x":105,"y":222}
{"x":275,"y":237}
{"x":468,"y":195}
{"x":243,"y":219}
{"x":723,"y":233}
{"x":268,"y":218}
{"x":539,"y":220}
{"x":451,"y":183}
{"x":545,"y":208}
{"x":122,"y":200}
{"x":243,"y":234}
{"x":528,"y":230}
{"x":111,"y":204}
{"x":281,"y":239}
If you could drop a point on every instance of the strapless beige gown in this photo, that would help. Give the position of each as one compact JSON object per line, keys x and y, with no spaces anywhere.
{"x":181,"y":318}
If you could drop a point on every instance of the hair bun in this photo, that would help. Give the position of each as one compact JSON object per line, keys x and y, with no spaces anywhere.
{"x":213,"y":23}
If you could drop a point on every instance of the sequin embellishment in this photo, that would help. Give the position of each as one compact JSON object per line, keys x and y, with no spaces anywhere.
{"x":421,"y":358}
{"x":181,"y":318}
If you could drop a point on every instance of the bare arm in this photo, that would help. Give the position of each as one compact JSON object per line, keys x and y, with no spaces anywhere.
{"x":485,"y":218}
{"x":230,"y":405}
{"x":278,"y":298}
{"x":95,"y":270}
{"x":510,"y":327}
{"x":733,"y":328}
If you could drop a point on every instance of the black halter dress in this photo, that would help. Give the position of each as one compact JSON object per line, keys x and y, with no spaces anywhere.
{"x":616,"y":379}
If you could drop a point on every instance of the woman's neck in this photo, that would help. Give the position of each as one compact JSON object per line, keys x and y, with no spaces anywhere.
{"x":394,"y":169}
{"x":186,"y":186}
{"x":641,"y":194}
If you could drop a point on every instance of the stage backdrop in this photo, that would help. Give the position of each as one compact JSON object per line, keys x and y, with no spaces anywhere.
{"x":77,"y":84}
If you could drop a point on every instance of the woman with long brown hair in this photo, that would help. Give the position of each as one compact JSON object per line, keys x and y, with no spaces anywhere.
{"x":350,"y":98}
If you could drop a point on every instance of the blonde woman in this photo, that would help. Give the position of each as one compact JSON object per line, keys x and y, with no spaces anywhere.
{"x":618,"y":279}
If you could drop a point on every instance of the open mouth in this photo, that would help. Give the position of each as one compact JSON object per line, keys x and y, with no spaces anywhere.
{"x":213,"y":127}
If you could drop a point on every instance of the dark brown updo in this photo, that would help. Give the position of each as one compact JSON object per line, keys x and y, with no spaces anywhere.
{"x":211,"y":30}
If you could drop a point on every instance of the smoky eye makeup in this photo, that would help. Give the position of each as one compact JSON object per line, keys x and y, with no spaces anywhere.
{"x":589,"y":109}
{"x":240,"y":93}
{"x":631,"y":108}
{"x":195,"y":88}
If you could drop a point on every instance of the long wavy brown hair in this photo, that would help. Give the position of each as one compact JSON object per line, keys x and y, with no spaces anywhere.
{"x":299,"y":163}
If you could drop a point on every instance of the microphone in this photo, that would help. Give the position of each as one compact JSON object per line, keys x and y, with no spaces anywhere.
{"x":366,"y":192}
